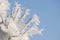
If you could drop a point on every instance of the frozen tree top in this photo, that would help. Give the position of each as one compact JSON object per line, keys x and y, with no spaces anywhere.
{"x":14,"y":26}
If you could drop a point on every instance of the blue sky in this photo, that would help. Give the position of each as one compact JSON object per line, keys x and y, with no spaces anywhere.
{"x":49,"y":14}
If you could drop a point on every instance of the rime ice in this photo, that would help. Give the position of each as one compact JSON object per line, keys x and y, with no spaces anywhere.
{"x":14,"y":26}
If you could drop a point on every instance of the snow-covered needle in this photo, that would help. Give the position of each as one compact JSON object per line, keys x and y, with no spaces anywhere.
{"x":26,"y":13}
{"x":35,"y":19}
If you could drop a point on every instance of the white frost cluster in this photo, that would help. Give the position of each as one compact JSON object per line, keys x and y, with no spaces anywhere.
{"x":14,"y":26}
{"x":4,"y":6}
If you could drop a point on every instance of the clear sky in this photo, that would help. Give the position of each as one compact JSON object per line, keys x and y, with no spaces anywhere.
{"x":49,"y":14}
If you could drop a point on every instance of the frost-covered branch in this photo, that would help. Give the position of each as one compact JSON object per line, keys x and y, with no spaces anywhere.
{"x":25,"y":14}
{"x":14,"y":26}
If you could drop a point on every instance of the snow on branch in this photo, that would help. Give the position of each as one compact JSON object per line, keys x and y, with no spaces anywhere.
{"x":16,"y":11}
{"x":13,"y":25}
{"x":26,"y":13}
